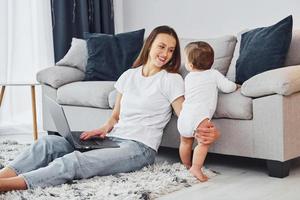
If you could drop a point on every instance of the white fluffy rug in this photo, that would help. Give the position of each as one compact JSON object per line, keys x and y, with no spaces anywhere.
{"x":148,"y":183}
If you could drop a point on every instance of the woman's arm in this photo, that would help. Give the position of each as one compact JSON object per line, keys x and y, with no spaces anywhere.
{"x":108,"y":125}
{"x":177,"y":105}
{"x":115,"y":114}
{"x":224,"y":84}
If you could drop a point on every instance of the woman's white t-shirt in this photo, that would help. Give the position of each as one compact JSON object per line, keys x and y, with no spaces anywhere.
{"x":146,"y":105}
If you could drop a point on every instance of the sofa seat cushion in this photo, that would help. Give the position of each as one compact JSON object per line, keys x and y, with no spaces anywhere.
{"x":86,"y":93}
{"x":234,"y":106}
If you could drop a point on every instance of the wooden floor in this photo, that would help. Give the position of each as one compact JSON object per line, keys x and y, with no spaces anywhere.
{"x":238,"y":178}
{"x":242,"y":179}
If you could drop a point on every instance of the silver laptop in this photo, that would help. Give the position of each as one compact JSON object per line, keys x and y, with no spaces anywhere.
{"x":73,"y":137}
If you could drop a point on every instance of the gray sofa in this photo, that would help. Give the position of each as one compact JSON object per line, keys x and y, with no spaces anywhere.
{"x":260,"y":120}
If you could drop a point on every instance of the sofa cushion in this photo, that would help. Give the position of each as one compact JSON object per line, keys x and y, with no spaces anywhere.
{"x":263,"y":49}
{"x":234,"y":106}
{"x":57,"y":76}
{"x":86,"y":93}
{"x":292,"y":57}
{"x":284,"y":81}
{"x":110,"y":55}
{"x":76,"y":56}
{"x":223,"y":48}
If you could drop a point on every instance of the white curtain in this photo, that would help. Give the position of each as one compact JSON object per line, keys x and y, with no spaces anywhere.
{"x":26,"y":46}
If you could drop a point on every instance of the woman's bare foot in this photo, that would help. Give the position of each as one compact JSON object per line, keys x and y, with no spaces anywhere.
{"x":7,"y":173}
{"x":195,"y":171}
{"x":14,"y":183}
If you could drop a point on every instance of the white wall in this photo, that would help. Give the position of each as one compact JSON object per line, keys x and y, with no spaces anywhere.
{"x":203,"y":18}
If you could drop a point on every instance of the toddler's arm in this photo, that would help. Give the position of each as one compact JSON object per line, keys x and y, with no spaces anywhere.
{"x":224,"y":84}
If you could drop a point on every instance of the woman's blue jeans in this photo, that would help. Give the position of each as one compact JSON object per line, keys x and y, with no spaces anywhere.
{"x":52,"y":161}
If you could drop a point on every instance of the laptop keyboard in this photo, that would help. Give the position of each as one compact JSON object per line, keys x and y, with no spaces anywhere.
{"x":90,"y":142}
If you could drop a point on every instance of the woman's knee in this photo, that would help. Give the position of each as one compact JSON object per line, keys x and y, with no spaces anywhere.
{"x":44,"y":141}
{"x":41,"y":143}
{"x":51,"y":144}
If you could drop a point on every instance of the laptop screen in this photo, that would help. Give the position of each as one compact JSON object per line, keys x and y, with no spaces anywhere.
{"x":59,"y":118}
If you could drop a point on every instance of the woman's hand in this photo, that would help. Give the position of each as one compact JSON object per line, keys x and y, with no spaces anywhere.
{"x":108,"y":126}
{"x":208,"y":134}
{"x":100,"y":132}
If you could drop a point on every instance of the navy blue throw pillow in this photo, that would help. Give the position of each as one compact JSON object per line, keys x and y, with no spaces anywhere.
{"x":110,"y":55}
{"x":263,"y":49}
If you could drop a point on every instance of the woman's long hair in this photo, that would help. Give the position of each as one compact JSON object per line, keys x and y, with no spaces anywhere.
{"x":174,"y":64}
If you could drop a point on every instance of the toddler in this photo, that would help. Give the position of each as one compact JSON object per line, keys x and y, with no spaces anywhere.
{"x":201,"y":94}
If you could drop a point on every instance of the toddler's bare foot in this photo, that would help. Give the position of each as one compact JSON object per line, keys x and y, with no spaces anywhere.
{"x":198,"y":174}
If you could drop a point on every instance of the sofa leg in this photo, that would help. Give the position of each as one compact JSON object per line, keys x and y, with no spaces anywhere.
{"x":278,"y":169}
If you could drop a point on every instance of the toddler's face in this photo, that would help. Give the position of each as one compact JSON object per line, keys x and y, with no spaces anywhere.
{"x":187,"y":64}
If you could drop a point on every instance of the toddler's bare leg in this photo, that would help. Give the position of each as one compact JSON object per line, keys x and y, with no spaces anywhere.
{"x":200,"y":152}
{"x":199,"y":156}
{"x":185,"y":151}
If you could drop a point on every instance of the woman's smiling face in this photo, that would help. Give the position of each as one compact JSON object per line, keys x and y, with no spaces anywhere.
{"x":162,"y":50}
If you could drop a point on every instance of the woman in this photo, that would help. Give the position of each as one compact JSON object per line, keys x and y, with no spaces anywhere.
{"x":146,"y":95}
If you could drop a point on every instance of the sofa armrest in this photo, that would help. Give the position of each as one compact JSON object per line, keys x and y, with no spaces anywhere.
{"x":284,"y":81}
{"x":57,"y":76}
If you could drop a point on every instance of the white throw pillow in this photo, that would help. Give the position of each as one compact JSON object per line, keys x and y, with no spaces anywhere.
{"x":76,"y":56}
{"x":231,"y":71}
